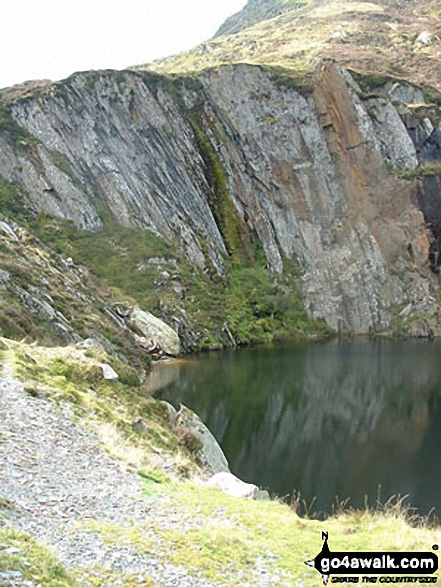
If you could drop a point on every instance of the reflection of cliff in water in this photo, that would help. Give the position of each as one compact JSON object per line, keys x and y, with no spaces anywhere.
{"x":327,"y":420}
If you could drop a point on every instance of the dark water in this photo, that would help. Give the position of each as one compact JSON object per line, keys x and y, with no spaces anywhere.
{"x":348,"y":419}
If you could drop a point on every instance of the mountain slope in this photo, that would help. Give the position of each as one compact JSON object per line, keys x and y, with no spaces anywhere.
{"x":394,"y":37}
{"x":256,"y":11}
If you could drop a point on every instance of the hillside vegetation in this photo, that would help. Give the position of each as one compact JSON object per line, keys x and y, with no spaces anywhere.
{"x":85,"y":275}
{"x":394,"y":37}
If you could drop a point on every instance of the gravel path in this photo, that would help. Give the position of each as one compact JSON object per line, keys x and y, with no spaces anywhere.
{"x":58,"y":476}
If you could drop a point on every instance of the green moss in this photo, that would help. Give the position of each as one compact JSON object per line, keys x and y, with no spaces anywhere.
{"x":231,"y":226}
{"x":301,"y":82}
{"x":371,"y":82}
{"x":155,"y":476}
{"x":432,"y":95}
{"x":13,"y":201}
{"x":227,"y":218}
{"x":62,"y":162}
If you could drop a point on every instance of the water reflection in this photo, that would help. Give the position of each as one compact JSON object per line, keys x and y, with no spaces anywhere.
{"x":325,"y":420}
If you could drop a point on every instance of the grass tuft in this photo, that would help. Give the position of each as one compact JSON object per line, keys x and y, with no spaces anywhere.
{"x":31,"y":560}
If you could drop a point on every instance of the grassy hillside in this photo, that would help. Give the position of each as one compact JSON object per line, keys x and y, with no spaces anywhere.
{"x":256,"y":306}
{"x":376,"y":36}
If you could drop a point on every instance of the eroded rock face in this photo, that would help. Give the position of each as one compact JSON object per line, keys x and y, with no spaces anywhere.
{"x":308,"y":172}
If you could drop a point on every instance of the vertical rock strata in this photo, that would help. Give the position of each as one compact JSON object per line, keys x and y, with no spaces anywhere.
{"x":209,"y":162}
{"x":312,"y":176}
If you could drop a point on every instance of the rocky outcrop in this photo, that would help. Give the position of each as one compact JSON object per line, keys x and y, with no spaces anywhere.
{"x":192,"y":433}
{"x":311,"y":176}
{"x":109,"y":140}
{"x":212,"y":163}
{"x":45,"y":297}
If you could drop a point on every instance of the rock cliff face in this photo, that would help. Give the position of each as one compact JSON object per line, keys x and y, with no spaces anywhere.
{"x":211,"y":163}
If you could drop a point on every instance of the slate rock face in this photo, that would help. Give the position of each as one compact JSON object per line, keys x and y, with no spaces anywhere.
{"x":314,"y":174}
{"x":310,"y":172}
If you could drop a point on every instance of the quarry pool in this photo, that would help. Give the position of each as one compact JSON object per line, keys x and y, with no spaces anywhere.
{"x":355,"y":421}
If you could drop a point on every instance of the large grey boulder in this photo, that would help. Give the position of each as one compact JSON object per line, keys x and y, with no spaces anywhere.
{"x":210,"y":453}
{"x":155,"y":331}
{"x":233,"y":486}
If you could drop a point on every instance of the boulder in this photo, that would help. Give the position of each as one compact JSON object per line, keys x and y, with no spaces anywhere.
{"x":109,"y":373}
{"x":155,"y":330}
{"x":421,"y":330}
{"x":139,"y":426}
{"x":6,"y":229}
{"x":66,"y":332}
{"x":4,"y":276}
{"x":210,"y":455}
{"x":97,"y":341}
{"x":426,"y":38}
{"x":233,"y":486}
